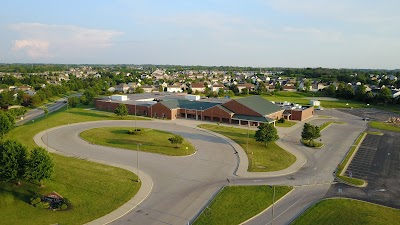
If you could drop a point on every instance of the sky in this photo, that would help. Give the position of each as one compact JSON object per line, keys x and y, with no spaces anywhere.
{"x":257,"y":33}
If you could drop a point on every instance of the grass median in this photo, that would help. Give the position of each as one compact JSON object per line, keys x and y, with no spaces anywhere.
{"x":118,"y":137}
{"x":261,"y":158}
{"x":348,"y":211}
{"x":287,"y":123}
{"x":93,"y":189}
{"x":342,"y":165}
{"x":236,"y":204}
{"x":384,"y":126}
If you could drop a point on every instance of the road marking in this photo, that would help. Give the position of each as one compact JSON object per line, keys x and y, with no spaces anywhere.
{"x":257,"y":180}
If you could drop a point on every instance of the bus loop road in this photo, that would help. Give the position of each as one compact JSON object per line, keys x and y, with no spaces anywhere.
{"x":184,"y":185}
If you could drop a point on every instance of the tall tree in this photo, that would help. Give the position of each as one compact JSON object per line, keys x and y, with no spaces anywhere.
{"x":121,"y":110}
{"x":12,"y":161}
{"x":266,"y":133}
{"x":39,"y":165}
{"x":5,"y":123}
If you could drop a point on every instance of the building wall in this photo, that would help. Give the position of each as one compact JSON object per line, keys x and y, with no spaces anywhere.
{"x":105,"y":105}
{"x":301,"y":115}
{"x":158,"y":110}
{"x":276,"y":115}
{"x":216,"y":113}
{"x":238,"y":108}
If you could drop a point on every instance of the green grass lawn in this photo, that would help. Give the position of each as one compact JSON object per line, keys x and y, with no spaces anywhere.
{"x":261,"y":158}
{"x":236,"y":204}
{"x":119,"y":137}
{"x":285,"y":124}
{"x":312,"y":144}
{"x":384,"y":126}
{"x":93,"y":189}
{"x":349,"y":212}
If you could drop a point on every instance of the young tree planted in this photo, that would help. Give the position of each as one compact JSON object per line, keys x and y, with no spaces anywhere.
{"x":121,"y":110}
{"x":5,"y":123}
{"x":310,"y":132}
{"x":39,"y":166}
{"x":266,"y":133}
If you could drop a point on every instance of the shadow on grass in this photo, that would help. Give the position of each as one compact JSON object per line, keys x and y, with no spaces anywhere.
{"x":24,"y":192}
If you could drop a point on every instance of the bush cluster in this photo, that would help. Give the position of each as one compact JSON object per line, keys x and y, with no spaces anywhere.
{"x":136,"y":131}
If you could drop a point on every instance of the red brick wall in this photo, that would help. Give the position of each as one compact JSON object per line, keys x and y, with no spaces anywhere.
{"x":238,"y":108}
{"x":276,"y":115}
{"x":216,"y":112}
{"x":158,"y":110}
{"x":301,"y":115}
{"x":107,"y":106}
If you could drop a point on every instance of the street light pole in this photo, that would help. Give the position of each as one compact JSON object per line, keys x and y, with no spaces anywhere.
{"x":273,"y":202}
{"x":137,"y":161}
{"x":135,"y":116}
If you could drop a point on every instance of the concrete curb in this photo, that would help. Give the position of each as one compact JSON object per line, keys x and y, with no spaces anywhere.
{"x":144,"y":191}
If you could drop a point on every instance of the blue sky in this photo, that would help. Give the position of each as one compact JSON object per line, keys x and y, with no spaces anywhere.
{"x":259,"y":33}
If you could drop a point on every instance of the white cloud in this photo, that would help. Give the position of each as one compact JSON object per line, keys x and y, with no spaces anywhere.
{"x":33,"y":48}
{"x":44,"y":40}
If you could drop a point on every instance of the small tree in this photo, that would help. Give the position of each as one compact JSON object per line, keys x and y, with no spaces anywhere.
{"x":266,"y":133}
{"x":12,"y":161}
{"x":310,"y":132}
{"x":176,"y":139}
{"x":39,"y":166}
{"x":73,"y":101}
{"x":121,"y":110}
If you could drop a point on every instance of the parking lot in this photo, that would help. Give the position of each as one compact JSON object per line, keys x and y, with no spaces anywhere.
{"x":378,"y":162}
{"x":371,"y":113}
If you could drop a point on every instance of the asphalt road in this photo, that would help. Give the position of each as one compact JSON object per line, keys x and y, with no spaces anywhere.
{"x":184,"y":185}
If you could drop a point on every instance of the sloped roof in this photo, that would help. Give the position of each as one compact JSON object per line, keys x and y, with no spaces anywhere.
{"x":187,"y":104}
{"x":259,"y":105}
{"x":253,"y":118}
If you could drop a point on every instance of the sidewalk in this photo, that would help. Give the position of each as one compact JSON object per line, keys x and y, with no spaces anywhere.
{"x":141,"y":195}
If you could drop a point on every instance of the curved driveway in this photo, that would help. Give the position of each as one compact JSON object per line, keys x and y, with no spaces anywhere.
{"x":183,"y":185}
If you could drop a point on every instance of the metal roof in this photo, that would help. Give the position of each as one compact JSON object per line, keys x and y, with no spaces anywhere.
{"x":187,"y":104}
{"x":259,"y":105}
{"x":253,"y":118}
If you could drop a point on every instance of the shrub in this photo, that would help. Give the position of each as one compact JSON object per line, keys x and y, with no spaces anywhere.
{"x":64,"y":206}
{"x":176,"y":139}
{"x":35,"y":201}
{"x":281,"y":120}
{"x":136,"y":131}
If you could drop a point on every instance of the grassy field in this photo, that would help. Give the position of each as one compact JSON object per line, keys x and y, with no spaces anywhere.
{"x":384,"y":126}
{"x":93,"y":189}
{"x":261,"y":158}
{"x":118,"y":137}
{"x":351,"y":180}
{"x":285,"y":124}
{"x":312,"y":144}
{"x":349,"y":212}
{"x":236,"y":204}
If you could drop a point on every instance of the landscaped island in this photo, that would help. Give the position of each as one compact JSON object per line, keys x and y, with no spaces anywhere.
{"x":147,"y":140}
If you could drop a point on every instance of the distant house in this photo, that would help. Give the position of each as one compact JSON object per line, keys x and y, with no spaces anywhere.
{"x":174,"y":88}
{"x":147,"y":88}
{"x":316,"y":86}
{"x":122,"y":88}
{"x":30,"y":92}
{"x":289,"y":87}
{"x":198,"y":87}
{"x":395,"y":93}
{"x":216,"y":87}
{"x":246,"y":85}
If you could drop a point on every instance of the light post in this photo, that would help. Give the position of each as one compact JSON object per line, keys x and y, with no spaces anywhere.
{"x":273,"y":202}
{"x":201,"y":114}
{"x":67,"y":111}
{"x":137,"y":161}
{"x":135,"y":116}
{"x":247,"y":141}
